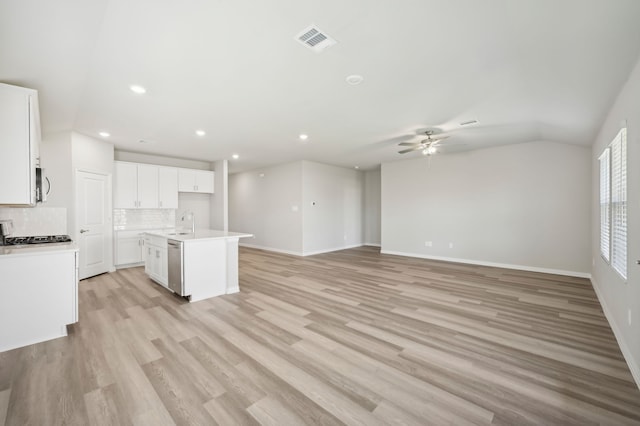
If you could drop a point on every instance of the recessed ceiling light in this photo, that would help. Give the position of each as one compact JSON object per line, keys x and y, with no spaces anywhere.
{"x":235,"y":156}
{"x":303,"y":137}
{"x":104,"y":134}
{"x":356,"y":167}
{"x":135,"y":88}
{"x":354,"y":79}
{"x":200,"y":132}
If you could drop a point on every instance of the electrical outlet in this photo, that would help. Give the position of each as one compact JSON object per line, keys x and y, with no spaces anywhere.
{"x":629,"y":316}
{"x":345,"y":237}
{"x":593,"y":261}
{"x":450,"y":245}
{"x":428,"y":244}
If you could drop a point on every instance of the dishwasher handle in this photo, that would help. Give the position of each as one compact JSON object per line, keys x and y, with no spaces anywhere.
{"x":174,"y":243}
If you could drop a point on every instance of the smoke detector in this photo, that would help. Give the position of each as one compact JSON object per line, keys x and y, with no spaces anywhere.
{"x":315,"y":39}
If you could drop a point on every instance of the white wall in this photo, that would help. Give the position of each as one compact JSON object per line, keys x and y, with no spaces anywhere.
{"x":267,"y":203}
{"x":332,"y":201}
{"x":620,"y":298}
{"x":137,"y":157}
{"x":220,"y":199}
{"x":91,"y":155}
{"x":372,"y":207}
{"x":524,"y":206}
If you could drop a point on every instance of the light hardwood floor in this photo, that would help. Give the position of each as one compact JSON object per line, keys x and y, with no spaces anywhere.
{"x":350,"y":337}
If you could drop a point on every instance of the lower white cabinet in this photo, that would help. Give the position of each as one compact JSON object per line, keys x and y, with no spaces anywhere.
{"x":39,"y":296}
{"x":155,"y":265}
{"x":130,"y":249}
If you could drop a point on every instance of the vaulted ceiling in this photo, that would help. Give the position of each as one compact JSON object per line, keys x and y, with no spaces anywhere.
{"x":526,"y":70}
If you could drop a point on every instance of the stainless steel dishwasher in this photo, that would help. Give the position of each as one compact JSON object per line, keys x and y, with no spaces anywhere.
{"x":175,"y":260}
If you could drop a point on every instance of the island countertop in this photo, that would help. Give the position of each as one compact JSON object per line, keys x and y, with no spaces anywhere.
{"x":200,"y":234}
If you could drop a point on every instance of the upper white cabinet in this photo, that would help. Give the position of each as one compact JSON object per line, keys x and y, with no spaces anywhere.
{"x":191,"y":180}
{"x":167,"y":187}
{"x":147,"y":186}
{"x":19,"y":143}
{"x":136,"y":186}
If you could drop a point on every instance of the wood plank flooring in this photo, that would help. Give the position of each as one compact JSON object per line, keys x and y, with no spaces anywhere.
{"x":351,"y":337}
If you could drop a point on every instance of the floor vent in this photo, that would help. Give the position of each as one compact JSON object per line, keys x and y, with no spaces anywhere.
{"x":313,"y":38}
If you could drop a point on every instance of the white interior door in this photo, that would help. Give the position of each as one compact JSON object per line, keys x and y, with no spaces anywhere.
{"x":93,"y":223}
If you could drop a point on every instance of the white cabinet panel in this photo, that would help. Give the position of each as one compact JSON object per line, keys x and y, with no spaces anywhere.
{"x":204,"y":181}
{"x":125,"y":189}
{"x":168,"y":188}
{"x":43,"y":303}
{"x":128,"y":250}
{"x":186,"y":180}
{"x":147,"y":186}
{"x":19,"y":140}
{"x":156,"y":265}
{"x":191,"y":180}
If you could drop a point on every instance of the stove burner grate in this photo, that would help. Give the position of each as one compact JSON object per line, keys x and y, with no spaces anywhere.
{"x":39,"y":239}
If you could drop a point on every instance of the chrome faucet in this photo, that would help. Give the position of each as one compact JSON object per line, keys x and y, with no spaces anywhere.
{"x":193,"y":220}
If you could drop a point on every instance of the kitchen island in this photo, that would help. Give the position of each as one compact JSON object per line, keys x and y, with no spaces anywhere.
{"x":197,"y":265}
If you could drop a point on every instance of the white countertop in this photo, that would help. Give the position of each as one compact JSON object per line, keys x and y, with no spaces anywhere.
{"x":36,"y":249}
{"x":200,"y":234}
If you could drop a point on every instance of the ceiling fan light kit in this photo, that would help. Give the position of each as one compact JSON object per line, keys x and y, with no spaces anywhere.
{"x":428,"y":146}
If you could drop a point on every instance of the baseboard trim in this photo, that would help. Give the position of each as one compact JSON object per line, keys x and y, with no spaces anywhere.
{"x":372,"y":244}
{"x":311,"y":253}
{"x":492,"y":264}
{"x":303,"y":254}
{"x":254,"y":246}
{"x":634,"y":366}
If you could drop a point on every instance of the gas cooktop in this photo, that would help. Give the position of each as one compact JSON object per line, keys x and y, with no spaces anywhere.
{"x":44,"y":239}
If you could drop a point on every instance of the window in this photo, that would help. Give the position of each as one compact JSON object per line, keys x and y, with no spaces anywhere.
{"x":605,"y":204}
{"x":613,"y":203}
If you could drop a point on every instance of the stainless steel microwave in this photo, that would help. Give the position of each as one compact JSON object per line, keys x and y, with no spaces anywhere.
{"x":42,"y":189}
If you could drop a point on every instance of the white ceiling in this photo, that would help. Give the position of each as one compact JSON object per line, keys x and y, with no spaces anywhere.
{"x":527,"y":70}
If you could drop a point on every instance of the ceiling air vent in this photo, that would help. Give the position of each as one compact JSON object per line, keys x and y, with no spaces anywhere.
{"x":313,"y":38}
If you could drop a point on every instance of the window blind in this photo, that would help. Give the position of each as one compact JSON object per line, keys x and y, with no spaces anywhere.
{"x":619,"y":203}
{"x":605,"y":205}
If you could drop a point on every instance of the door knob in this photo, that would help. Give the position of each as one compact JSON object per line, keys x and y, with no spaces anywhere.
{"x":82,"y":231}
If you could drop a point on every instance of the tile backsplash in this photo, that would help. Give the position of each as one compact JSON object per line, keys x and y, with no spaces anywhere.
{"x":124,"y":219}
{"x":36,"y":221}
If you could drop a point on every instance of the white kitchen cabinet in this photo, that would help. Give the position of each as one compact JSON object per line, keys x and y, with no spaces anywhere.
{"x":38,"y":302}
{"x":125,"y":188}
{"x":129,"y":247}
{"x":145,"y":186}
{"x":156,"y":266}
{"x":192,"y":180}
{"x":136,"y":186}
{"x":167,"y":187}
{"x":19,"y":144}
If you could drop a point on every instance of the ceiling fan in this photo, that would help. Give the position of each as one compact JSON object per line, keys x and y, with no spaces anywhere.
{"x":428,"y":146}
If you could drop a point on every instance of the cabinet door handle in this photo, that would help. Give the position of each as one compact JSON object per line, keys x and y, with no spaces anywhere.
{"x":157,"y":254}
{"x":160,"y":203}
{"x":82,"y":231}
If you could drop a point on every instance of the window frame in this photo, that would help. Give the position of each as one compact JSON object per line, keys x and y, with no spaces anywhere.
{"x":613,"y":202}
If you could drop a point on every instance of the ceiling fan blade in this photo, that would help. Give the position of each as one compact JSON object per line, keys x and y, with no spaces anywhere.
{"x":409,"y":144}
{"x":404,"y":151}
